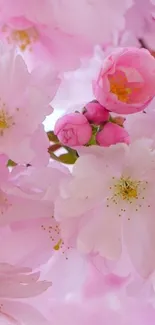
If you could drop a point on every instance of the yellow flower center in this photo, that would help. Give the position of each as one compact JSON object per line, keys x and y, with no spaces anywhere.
{"x":126,"y":189}
{"x":121,"y":93}
{"x":118,"y":86}
{"x":22,"y":38}
{"x":5,"y":120}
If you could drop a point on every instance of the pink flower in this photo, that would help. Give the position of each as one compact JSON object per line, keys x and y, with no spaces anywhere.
{"x":24,"y":104}
{"x":38,"y":42}
{"x":28,"y":217}
{"x":26,"y":193}
{"x":126,"y":81}
{"x":38,"y":239}
{"x":112,"y":134}
{"x":37,"y":26}
{"x":109,"y":198}
{"x":96,"y":113}
{"x":73,"y":130}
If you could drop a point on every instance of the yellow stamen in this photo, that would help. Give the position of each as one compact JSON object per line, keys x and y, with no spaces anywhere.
{"x":58,"y":245}
{"x":126,"y":189}
{"x":5,"y":120}
{"x":24,"y":38}
{"x":118,"y":88}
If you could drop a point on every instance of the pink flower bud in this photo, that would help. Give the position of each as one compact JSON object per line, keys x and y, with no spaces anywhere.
{"x":96,"y":113}
{"x":112,"y":134}
{"x":126,"y":81}
{"x":73,"y":130}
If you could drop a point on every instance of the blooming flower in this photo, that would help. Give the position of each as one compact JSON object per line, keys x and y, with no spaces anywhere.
{"x":125,"y":83}
{"x":34,"y":39}
{"x":28,"y":200}
{"x":77,"y":243}
{"x":109,"y":196}
{"x":24,"y":104}
{"x":49,"y":29}
{"x":28,"y":211}
{"x":73,"y":130}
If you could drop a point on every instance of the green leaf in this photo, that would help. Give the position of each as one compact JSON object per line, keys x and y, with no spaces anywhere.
{"x":54,"y":147}
{"x":11,"y":163}
{"x":67,"y":158}
{"x":52,"y":137}
{"x":92,"y":141}
{"x":53,"y":156}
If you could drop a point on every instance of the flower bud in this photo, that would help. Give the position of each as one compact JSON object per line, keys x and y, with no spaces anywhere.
{"x":73,"y":130}
{"x":96,"y":113}
{"x":112,"y":134}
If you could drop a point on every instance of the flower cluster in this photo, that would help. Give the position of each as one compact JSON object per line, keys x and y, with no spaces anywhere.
{"x":77,"y":162}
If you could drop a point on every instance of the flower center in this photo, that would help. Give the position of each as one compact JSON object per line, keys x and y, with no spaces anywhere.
{"x":121,"y":93}
{"x":22,"y":38}
{"x":5,"y":121}
{"x":126,"y":189}
{"x":119,"y":89}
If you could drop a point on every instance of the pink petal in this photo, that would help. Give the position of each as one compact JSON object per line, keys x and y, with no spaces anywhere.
{"x":139,"y":235}
{"x":19,"y":313}
{"x":101,"y":233}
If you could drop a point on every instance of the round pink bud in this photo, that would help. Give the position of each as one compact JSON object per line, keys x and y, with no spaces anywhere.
{"x":73,"y":130}
{"x":126,"y":81}
{"x":112,"y":134}
{"x":96,"y":113}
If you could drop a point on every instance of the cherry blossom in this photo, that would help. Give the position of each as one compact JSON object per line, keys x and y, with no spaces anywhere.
{"x":29,"y":226}
{"x":48,"y":29}
{"x":24,"y":105}
{"x":125,"y":82}
{"x":110,"y":195}
{"x":77,"y":179}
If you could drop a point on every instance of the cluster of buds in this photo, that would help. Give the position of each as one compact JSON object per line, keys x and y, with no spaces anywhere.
{"x":95,"y":125}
